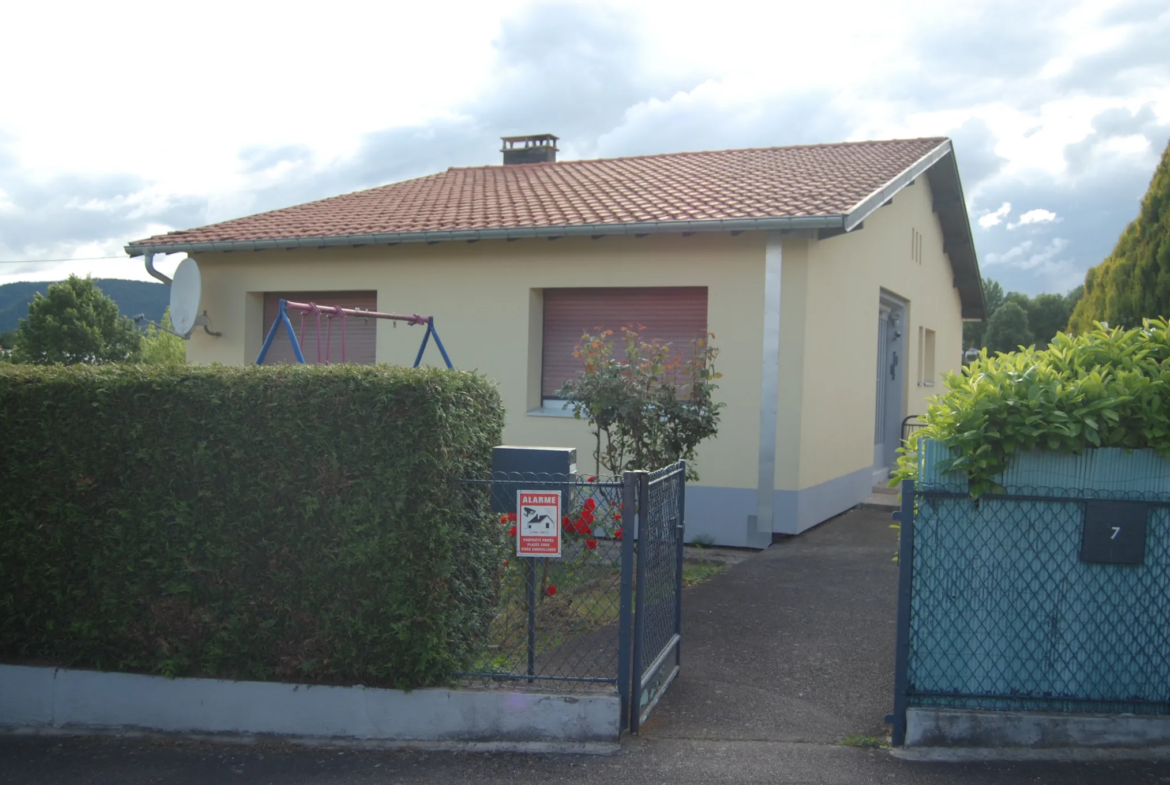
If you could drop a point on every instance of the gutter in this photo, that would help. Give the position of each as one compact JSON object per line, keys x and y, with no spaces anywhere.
{"x":515,"y":233}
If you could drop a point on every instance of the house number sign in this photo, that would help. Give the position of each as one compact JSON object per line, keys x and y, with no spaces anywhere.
{"x":1114,"y":532}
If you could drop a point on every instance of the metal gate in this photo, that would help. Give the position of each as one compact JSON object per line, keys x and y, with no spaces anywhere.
{"x":655,"y":555}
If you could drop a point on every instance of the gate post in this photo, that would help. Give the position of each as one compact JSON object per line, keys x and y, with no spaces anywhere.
{"x":680,"y":559}
{"x":641,"y":525}
{"x":626,"y":605}
{"x":905,"y":518}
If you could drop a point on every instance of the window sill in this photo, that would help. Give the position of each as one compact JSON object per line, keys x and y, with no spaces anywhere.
{"x":553,"y":408}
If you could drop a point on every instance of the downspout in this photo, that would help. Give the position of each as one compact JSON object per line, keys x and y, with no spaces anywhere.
{"x":149,"y":257}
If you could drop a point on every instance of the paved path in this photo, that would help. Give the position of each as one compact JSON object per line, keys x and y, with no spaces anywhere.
{"x":784,"y":654}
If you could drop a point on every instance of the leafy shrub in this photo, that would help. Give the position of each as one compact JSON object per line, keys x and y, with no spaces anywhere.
{"x":293,"y":523}
{"x":645,"y":408}
{"x":1106,"y":388}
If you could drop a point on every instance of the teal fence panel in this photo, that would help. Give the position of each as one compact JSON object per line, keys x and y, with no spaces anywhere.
{"x":1003,"y":612}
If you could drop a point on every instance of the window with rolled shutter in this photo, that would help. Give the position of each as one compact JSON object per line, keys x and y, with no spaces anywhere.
{"x":676,"y":315}
{"x":359,"y":332}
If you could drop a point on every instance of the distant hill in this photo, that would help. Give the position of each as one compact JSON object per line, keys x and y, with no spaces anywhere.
{"x":132,"y":297}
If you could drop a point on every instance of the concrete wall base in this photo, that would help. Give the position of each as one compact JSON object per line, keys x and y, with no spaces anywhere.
{"x":930,"y":727}
{"x":48,"y":699}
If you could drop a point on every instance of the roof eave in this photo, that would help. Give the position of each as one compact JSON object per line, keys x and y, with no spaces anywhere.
{"x":786,"y":223}
{"x":958,"y":241}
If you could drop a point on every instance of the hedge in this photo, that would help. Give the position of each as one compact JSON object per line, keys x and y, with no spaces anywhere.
{"x":290,"y":524}
{"x":1108,"y":387}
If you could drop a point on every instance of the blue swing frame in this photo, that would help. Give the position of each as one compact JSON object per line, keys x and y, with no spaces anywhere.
{"x":282,"y":319}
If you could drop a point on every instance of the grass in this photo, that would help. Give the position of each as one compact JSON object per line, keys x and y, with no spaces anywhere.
{"x":697,"y":573}
{"x":867,"y":742}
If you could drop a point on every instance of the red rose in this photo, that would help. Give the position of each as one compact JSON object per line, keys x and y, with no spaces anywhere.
{"x":617,"y":516}
{"x":512,"y":532}
{"x":591,"y":543}
{"x":590,"y":504}
{"x":503,"y":519}
{"x":550,"y":590}
{"x":505,"y":562}
{"x":617,"y":535}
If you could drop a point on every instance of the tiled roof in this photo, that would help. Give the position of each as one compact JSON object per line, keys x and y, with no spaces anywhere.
{"x":772,"y":182}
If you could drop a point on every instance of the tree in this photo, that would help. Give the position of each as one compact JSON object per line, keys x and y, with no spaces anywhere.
{"x":160,"y":347}
{"x":993,"y":296}
{"x":1008,"y":329}
{"x":1048,"y":315}
{"x":645,"y":408}
{"x":74,"y":322}
{"x":1134,"y":281}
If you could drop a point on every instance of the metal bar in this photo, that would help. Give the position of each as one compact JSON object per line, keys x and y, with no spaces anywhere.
{"x":339,"y":311}
{"x":514,"y":677}
{"x":530,"y":572}
{"x":318,"y":312}
{"x":442,"y":349}
{"x":268,"y":339}
{"x":660,"y":660}
{"x":905,"y":577}
{"x":423,"y":346}
{"x":292,"y":334}
{"x":343,"y":318}
{"x":328,"y":337}
{"x":1034,"y":698}
{"x":639,"y":600}
{"x":680,"y":529}
{"x":1000,"y":497}
{"x":625,"y":603}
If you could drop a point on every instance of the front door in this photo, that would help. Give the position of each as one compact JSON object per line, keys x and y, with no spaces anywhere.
{"x":889,"y":380}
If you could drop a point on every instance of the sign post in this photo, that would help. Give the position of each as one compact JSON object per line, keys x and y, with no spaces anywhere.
{"x":538,"y":530}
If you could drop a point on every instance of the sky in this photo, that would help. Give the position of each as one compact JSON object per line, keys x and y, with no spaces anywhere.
{"x":120,"y":120}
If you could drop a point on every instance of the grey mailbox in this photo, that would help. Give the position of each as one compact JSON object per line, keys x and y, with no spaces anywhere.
{"x":530,"y":468}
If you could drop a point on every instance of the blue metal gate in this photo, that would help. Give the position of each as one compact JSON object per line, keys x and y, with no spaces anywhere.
{"x":655,"y":555}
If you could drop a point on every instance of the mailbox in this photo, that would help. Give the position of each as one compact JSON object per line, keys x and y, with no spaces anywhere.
{"x":530,"y":469}
{"x":1114,"y":532}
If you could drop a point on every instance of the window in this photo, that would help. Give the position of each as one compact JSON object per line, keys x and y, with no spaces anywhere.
{"x":677,"y":315}
{"x":925,"y":357}
{"x":359,"y":333}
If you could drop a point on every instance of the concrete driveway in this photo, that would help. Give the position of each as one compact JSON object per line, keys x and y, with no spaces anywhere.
{"x":785,"y":654}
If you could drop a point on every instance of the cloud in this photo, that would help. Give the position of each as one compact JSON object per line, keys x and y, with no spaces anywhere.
{"x":1048,"y":103}
{"x":1037,"y":216}
{"x":995,"y":218}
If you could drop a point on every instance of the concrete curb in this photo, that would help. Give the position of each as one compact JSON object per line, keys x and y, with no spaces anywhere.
{"x":58,"y":699}
{"x":1024,"y":754}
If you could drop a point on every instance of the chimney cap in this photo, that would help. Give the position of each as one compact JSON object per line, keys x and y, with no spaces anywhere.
{"x":532,"y":140}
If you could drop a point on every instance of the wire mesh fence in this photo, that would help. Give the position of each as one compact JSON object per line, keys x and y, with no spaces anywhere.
{"x":556,"y":623}
{"x":1005,"y":612}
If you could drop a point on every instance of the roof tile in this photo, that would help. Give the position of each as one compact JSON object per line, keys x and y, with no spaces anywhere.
{"x":772,"y":182}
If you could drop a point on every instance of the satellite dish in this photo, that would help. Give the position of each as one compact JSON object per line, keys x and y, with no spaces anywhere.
{"x":186,"y":291}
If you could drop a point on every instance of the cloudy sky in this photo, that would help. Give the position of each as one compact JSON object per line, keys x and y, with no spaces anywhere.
{"x":120,"y":120}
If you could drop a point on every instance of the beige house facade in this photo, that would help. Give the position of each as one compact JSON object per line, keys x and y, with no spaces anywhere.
{"x":828,"y":334}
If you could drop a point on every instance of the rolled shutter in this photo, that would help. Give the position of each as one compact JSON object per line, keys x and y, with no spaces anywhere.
{"x":676,"y":315}
{"x":359,"y":333}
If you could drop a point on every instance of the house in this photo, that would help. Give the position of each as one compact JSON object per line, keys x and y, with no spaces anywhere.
{"x":835,"y":277}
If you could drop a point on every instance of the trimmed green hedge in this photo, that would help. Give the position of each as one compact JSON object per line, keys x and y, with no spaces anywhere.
{"x":1106,"y":388}
{"x":291,"y":524}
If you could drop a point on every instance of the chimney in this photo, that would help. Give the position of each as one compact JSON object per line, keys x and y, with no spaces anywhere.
{"x":535,"y":149}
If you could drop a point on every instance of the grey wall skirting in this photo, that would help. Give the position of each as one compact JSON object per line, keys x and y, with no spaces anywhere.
{"x":56,"y":698}
{"x":723,"y":513}
{"x":926,"y":727}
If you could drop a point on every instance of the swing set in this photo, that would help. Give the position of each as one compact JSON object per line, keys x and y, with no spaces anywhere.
{"x":333,"y":312}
